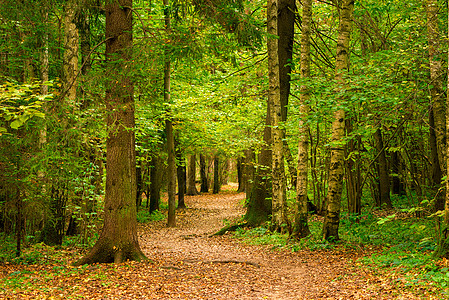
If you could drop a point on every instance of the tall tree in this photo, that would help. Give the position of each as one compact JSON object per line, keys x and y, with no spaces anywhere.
{"x":279,"y":198}
{"x":301,"y":227}
{"x":442,"y":249}
{"x":437,"y":118}
{"x":336,"y":169}
{"x":171,"y":169}
{"x":118,"y":240}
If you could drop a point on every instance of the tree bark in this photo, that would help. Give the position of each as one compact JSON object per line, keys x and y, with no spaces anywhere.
{"x":171,"y":169}
{"x":437,"y":117}
{"x":384,"y":179}
{"x":279,"y":199}
{"x":353,"y":175}
{"x":301,"y":226}
{"x":203,"y":175}
{"x":240,"y":175}
{"x":436,"y":80}
{"x":336,"y":169}
{"x":216,"y":187}
{"x":118,"y":240}
{"x":181,"y":175}
{"x":191,"y":176}
{"x":258,"y":210}
{"x":155,"y":182}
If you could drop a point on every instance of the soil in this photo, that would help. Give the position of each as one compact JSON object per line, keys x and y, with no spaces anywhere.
{"x":188,"y":262}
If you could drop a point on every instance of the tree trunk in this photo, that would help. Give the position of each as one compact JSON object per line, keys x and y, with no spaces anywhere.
{"x":443,"y":243}
{"x":216,"y":187}
{"x":437,"y":117}
{"x":279,"y":201}
{"x":258,"y":210}
{"x":155,"y":182}
{"x":301,"y":226}
{"x":118,"y":240}
{"x":171,"y":169}
{"x":203,"y":175}
{"x":336,"y":170}
{"x":384,"y":179}
{"x":353,"y":175}
{"x":248,"y":170}
{"x":240,"y":175}
{"x":191,"y":176}
{"x":436,"y":80}
{"x":181,"y":175}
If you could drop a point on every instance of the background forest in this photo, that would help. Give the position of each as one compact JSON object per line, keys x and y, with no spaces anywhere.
{"x":222,"y":93}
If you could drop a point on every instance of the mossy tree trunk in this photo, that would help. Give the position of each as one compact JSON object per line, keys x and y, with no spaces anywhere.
{"x":336,"y":168}
{"x":301,"y":226}
{"x":279,"y":198}
{"x":118,"y":240}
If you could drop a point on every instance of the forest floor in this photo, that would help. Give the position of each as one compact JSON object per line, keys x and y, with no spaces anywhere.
{"x":187,"y":262}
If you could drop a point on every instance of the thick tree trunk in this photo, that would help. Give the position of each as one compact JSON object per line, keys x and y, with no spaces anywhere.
{"x":336,"y":170}
{"x":258,"y":210}
{"x":191,"y":176}
{"x":203,"y":175}
{"x":118,"y":240}
{"x":301,"y":226}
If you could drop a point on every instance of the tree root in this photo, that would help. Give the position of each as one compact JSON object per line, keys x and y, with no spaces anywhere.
{"x":226,"y":261}
{"x":230,"y":228}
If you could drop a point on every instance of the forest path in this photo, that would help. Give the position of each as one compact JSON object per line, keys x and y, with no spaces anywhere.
{"x":188,"y":263}
{"x":200,"y":266}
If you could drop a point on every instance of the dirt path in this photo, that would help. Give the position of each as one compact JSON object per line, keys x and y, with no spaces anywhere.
{"x":187,"y":263}
{"x":222,"y":268}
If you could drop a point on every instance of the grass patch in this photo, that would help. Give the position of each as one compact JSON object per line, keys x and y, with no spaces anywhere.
{"x":144,"y":216}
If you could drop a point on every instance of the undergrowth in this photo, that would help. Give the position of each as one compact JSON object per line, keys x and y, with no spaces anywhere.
{"x":404,"y":244}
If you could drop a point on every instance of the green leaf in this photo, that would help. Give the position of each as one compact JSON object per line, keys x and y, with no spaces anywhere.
{"x":16,"y":123}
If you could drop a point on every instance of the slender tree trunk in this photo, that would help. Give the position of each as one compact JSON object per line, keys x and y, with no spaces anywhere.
{"x":301,"y":226}
{"x":191,"y":176}
{"x":279,"y":198}
{"x":336,"y":170}
{"x":216,"y":187}
{"x":248,"y":170}
{"x":118,"y":240}
{"x":203,"y":175}
{"x":436,"y":80}
{"x":437,"y":118}
{"x":384,"y":179}
{"x":171,"y":170}
{"x":240,"y":175}
{"x":70,"y":72}
{"x":155,"y":182}
{"x":181,"y":175}
{"x":353,"y":175}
